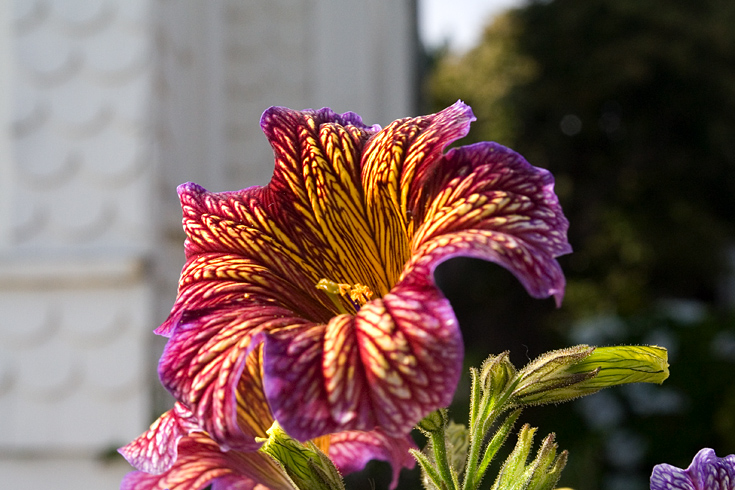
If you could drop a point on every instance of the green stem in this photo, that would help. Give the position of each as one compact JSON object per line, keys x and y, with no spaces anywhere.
{"x":479,"y":404}
{"x":493,"y":446}
{"x":471,"y":469}
{"x":473,"y":455}
{"x":475,"y":396}
{"x":484,"y":410}
{"x":438,"y":443}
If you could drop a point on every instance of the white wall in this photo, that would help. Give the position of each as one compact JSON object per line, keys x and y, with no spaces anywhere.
{"x":105,"y":107}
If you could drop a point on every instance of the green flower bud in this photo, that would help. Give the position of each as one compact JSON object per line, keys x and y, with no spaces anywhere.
{"x":434,"y":421}
{"x":547,"y":466}
{"x":566,"y":374}
{"x":496,"y":373}
{"x":514,"y":467}
{"x":307,"y":466}
{"x":624,"y":364}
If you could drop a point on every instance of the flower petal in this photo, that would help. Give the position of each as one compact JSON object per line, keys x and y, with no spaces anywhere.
{"x":238,"y":236}
{"x":667,"y":477}
{"x":391,"y":162}
{"x":709,"y":471}
{"x":318,"y":167}
{"x":201,"y":462}
{"x":706,"y":471}
{"x":155,"y":450}
{"x":397,"y":359}
{"x":351,"y":451}
{"x":215,"y":279}
{"x":491,"y":204}
{"x":233,"y":482}
{"x":212,"y":365}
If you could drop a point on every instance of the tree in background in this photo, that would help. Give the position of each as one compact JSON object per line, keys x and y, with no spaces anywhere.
{"x":632,"y":106}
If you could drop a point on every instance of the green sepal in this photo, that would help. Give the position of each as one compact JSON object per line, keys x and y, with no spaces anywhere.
{"x":540,"y":474}
{"x":433,"y":422}
{"x":305,"y":464}
{"x":430,"y":476}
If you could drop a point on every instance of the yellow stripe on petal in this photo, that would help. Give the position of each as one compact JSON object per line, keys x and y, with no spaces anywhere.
{"x":381,"y":180}
{"x":330,"y":177}
{"x":323,"y":443}
{"x":253,"y":414}
{"x":392,"y":162}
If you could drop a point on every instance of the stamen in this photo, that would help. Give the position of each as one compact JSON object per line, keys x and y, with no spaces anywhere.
{"x":356,"y":294}
{"x":360,"y":294}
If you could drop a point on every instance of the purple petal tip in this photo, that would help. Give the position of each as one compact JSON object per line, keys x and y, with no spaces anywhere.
{"x":706,"y":471}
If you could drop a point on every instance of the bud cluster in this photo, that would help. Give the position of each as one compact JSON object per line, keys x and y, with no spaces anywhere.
{"x":458,"y":457}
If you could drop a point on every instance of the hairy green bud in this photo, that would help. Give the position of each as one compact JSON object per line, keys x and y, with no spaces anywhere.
{"x":307,"y":466}
{"x":496,"y":374}
{"x":566,"y":374}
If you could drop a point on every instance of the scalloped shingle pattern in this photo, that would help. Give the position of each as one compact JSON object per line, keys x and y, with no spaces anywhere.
{"x":80,"y":123}
{"x":72,"y":367}
{"x":75,"y":294}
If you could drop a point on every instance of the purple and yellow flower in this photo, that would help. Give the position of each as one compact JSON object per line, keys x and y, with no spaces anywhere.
{"x":176,"y":454}
{"x":706,"y":472}
{"x":311,"y":301}
{"x":327,"y":273}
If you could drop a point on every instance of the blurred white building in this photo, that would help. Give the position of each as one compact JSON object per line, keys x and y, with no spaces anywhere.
{"x":106,"y":106}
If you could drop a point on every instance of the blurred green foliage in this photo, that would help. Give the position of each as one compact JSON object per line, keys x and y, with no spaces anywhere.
{"x":632,"y":106}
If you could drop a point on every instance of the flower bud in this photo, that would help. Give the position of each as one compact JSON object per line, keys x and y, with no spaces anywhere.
{"x":434,"y":421}
{"x":496,"y":373}
{"x":624,"y":364}
{"x":307,"y":466}
{"x":547,"y":466}
{"x":566,"y":374}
